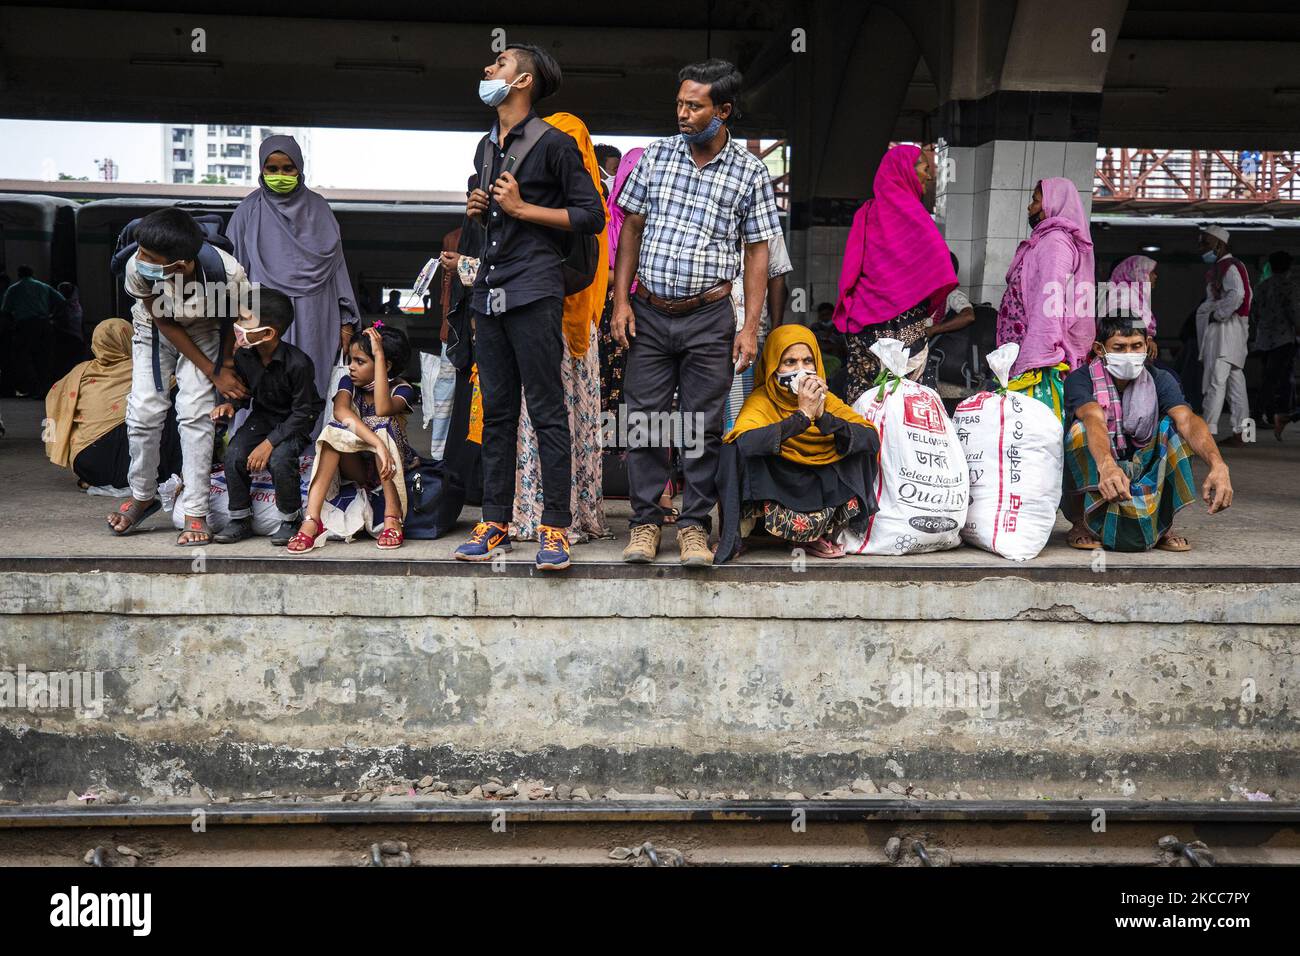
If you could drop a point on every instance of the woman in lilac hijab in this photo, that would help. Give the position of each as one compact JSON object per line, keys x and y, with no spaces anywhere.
{"x":287,"y":238}
{"x":1048,"y":306}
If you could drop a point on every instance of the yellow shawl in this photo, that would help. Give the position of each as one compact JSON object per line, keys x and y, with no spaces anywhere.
{"x":90,"y":401}
{"x":771,"y":402}
{"x":583,"y":309}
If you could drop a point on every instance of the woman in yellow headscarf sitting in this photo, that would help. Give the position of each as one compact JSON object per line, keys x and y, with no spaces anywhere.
{"x":85,"y":414}
{"x":799,"y":463}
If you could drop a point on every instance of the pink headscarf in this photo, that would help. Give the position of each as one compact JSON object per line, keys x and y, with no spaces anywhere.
{"x":616,"y":213}
{"x":1135,"y":272}
{"x":895,"y":257}
{"x":1058,"y":251}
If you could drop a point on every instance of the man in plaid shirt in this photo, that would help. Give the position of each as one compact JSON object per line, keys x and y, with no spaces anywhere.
{"x":695,"y":204}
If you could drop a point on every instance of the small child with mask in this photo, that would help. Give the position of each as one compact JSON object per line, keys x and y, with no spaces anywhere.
{"x":281,"y":382}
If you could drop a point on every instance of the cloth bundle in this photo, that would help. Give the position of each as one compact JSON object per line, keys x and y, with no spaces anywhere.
{"x":266,"y":516}
{"x":923,"y":484}
{"x":1014,"y":448}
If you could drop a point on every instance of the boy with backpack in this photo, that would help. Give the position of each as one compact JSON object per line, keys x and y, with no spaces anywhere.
{"x":529,"y":188}
{"x":187,"y":292}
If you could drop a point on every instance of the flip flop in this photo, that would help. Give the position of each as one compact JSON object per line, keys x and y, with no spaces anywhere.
{"x":823,"y":548}
{"x":194,"y":526}
{"x":140,"y":516}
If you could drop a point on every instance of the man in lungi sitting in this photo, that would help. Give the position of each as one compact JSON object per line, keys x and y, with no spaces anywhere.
{"x":1128,"y":449}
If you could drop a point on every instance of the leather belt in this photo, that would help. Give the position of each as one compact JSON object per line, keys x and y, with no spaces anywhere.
{"x":681,"y":306}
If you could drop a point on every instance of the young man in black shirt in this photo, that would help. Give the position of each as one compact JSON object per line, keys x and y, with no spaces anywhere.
{"x":281,"y":382}
{"x":525,"y":205}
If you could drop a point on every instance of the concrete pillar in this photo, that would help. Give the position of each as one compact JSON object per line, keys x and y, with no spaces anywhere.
{"x":1022,"y":103}
{"x":982,"y":194}
{"x":846,"y":95}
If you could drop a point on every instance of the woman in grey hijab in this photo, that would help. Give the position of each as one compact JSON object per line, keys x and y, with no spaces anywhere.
{"x":287,"y":238}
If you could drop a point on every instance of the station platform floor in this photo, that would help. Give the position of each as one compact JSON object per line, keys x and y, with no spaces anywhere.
{"x":307,"y":675}
{"x":45,"y":517}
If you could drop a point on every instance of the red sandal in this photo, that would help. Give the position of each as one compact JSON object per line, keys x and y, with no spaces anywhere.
{"x":390,"y":538}
{"x":303,"y":543}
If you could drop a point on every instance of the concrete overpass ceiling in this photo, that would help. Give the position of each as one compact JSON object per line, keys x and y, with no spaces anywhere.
{"x":678,"y":14}
{"x":1193,"y":74}
{"x":1181,"y":73}
{"x":1212,"y":20}
{"x":333,"y":67}
{"x":920,"y":109}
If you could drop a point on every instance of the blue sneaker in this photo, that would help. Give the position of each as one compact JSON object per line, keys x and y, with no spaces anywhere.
{"x":553,"y":555}
{"x":487,"y":538}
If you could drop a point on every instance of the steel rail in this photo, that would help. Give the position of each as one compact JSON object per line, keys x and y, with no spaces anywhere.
{"x":839,"y":811}
{"x":885,"y":832}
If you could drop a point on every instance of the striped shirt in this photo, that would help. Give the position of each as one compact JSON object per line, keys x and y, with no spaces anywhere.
{"x":697,"y":219}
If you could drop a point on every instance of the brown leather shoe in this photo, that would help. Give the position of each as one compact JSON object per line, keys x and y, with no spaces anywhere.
{"x":643,"y":544}
{"x":694,"y":543}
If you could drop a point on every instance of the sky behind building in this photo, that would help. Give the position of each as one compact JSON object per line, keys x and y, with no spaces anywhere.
{"x":342,"y":158}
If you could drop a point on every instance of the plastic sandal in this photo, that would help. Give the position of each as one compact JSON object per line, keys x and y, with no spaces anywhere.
{"x":141,"y":515}
{"x":303,"y":543}
{"x":823,"y":548}
{"x":390,"y":538}
{"x":194,"y":526}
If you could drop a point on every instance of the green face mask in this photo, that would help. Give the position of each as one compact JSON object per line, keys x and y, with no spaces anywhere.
{"x":279,"y":183}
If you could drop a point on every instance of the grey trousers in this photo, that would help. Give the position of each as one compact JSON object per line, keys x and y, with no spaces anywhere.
{"x":691,"y":355}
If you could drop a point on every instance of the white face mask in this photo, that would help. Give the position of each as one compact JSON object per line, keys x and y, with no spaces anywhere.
{"x":1125,"y":366}
{"x":793,"y":380}
{"x":247,"y":338}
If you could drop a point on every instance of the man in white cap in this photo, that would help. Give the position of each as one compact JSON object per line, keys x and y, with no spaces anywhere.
{"x":1222,"y":327}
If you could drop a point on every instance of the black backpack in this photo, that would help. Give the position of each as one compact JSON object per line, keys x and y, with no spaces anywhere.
{"x":580,"y":255}
{"x":210,"y":265}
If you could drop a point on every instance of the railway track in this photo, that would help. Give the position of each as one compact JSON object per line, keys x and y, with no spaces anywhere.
{"x":819,"y":832}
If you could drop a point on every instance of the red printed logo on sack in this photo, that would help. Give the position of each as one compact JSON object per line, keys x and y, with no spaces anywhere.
{"x":1013,"y":510}
{"x":974,"y":403}
{"x":922,"y":410}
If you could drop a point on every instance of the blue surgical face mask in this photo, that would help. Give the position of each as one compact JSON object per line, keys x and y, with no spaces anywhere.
{"x":1209,"y":257}
{"x":150,"y":270}
{"x":494,"y":92}
{"x":706,"y":134}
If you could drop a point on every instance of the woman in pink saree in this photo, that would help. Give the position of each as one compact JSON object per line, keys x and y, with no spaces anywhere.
{"x":897,"y":270}
{"x":1048,"y":306}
